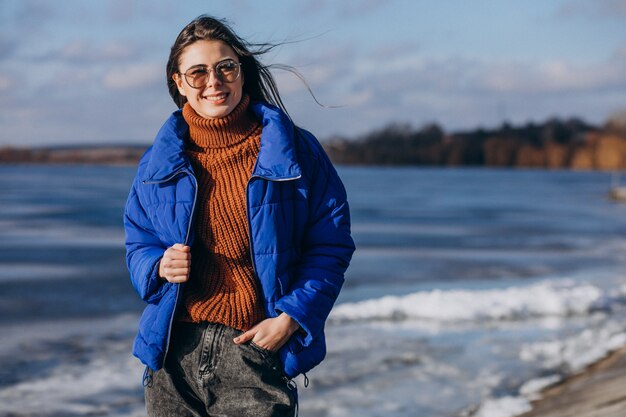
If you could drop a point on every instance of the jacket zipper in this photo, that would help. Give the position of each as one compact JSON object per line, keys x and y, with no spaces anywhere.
{"x":193,"y":207}
{"x":254,"y":269}
{"x":250,"y":221}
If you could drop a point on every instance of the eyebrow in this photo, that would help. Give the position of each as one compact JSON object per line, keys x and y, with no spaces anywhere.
{"x":206,"y":66}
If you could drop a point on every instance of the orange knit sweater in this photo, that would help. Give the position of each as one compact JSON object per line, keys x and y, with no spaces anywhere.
{"x":222,"y":286}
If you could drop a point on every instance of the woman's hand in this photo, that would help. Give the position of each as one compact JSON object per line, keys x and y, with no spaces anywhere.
{"x":270,"y":334}
{"x":175,"y":264}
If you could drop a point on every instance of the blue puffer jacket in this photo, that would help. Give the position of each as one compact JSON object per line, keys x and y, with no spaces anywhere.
{"x":299,"y":225}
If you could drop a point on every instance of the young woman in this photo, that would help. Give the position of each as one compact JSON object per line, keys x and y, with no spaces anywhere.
{"x":237,"y":237}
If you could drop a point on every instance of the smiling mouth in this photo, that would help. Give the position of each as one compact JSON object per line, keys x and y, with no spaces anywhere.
{"x":216,"y":98}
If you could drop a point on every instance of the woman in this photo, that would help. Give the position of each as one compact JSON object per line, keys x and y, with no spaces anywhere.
{"x":237,"y":237}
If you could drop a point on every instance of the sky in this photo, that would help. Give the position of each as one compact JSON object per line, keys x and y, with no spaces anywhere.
{"x":93,"y":72}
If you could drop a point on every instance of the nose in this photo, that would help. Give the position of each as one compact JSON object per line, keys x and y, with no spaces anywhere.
{"x":212,"y":78}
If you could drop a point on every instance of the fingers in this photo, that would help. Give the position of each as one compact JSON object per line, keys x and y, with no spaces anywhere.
{"x":177,"y":279}
{"x":182,"y":263}
{"x":175,"y":264}
{"x":178,"y":272}
{"x":180,"y":247}
{"x":174,"y":253}
{"x":262,"y":335}
{"x":271,"y":333}
{"x":245,"y":337}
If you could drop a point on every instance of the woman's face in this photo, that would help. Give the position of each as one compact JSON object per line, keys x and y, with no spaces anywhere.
{"x":216,"y":98}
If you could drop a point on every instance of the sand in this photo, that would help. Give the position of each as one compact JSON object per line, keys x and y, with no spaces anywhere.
{"x":598,"y":391}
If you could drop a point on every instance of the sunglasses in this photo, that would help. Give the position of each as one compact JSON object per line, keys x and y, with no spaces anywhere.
{"x":226,"y":71}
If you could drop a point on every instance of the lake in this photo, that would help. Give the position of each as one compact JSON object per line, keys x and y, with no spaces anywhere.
{"x":469,"y":290}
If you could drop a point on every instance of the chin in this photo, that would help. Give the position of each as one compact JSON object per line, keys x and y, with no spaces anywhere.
{"x":210,"y":111}
{"x":216,"y":113}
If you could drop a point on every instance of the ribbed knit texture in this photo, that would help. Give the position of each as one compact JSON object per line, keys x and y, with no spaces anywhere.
{"x":222,"y":286}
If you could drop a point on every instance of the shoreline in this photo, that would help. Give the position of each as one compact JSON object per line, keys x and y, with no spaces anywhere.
{"x":597,"y":391}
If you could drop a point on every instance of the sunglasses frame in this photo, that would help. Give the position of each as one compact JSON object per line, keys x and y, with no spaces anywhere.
{"x":186,"y":74}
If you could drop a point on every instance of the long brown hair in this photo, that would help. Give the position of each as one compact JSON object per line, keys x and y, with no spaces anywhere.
{"x":259,"y":83}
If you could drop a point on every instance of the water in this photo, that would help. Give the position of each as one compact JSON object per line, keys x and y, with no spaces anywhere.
{"x":469,"y":290}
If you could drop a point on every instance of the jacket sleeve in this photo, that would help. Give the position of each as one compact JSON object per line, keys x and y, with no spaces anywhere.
{"x":326,"y":252}
{"x":143,"y":250}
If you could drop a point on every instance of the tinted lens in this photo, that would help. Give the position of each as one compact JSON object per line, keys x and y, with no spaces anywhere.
{"x":197,"y":77}
{"x":227,"y":71}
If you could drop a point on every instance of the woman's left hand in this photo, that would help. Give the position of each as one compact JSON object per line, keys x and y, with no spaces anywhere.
{"x":270,"y":334}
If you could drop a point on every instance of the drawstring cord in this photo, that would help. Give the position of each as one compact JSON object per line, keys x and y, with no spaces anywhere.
{"x":147,"y":377}
{"x":293,"y":386}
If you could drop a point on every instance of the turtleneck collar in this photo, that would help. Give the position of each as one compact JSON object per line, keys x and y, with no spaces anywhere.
{"x":226,"y":131}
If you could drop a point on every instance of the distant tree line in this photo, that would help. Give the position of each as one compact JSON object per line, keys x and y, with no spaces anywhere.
{"x":554,"y":144}
{"x":73,"y":155}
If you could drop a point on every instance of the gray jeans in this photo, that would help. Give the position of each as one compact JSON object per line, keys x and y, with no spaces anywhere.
{"x":207,"y":375}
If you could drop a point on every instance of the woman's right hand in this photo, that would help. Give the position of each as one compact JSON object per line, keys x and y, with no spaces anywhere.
{"x":175,"y":264}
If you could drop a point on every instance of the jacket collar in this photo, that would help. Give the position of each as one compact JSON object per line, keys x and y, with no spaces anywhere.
{"x":277,"y":156}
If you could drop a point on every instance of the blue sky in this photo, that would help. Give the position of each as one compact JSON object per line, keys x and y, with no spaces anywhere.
{"x":75,"y":72}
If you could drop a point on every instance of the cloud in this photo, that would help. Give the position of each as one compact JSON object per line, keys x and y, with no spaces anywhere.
{"x":84,"y":52}
{"x":466,"y":75}
{"x":376,"y":82}
{"x":593,"y":9}
{"x":457,"y":91}
{"x":343,"y":9}
{"x":118,"y":50}
{"x":124,"y":11}
{"x":338,"y":72}
{"x":81,"y":51}
{"x":5,"y":82}
{"x":356,"y":8}
{"x":134,"y":76}
{"x":326,"y":69}
{"x":117,"y":117}
{"x":21,"y":22}
{"x":329,"y":64}
{"x":82,"y":67}
{"x":8,"y":46}
{"x":619,"y":56}
{"x":312,"y":6}
{"x":34,"y":13}
{"x":359,"y":98}
{"x":395,"y":50}
{"x":556,"y":76}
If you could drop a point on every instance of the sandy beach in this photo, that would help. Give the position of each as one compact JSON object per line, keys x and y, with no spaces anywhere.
{"x":598,"y":391}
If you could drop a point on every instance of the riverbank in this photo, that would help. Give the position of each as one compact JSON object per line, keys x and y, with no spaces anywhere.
{"x":598,"y":391}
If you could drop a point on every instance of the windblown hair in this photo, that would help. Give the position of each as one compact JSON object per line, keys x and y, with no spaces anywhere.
{"x":259,"y":83}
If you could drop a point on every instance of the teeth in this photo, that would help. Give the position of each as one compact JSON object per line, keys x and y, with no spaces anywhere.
{"x":216,"y":98}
